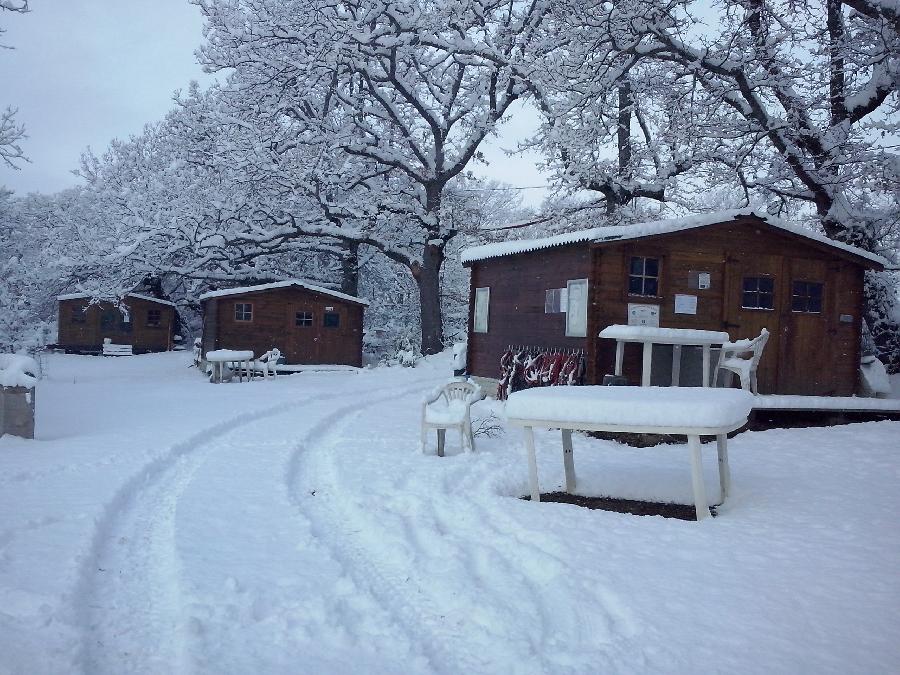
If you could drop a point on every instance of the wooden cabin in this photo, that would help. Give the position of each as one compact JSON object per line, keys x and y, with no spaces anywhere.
{"x":144,"y":322}
{"x":309,"y":324}
{"x":733,"y":272}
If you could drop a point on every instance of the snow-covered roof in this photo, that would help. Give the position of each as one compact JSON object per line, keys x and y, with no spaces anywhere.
{"x":656,"y":227}
{"x":300,"y":283}
{"x":139,"y":296}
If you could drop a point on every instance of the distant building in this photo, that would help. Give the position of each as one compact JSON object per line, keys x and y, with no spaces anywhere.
{"x":309,"y":324}
{"x":144,"y":322}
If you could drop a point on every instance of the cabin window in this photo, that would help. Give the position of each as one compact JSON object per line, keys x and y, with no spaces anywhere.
{"x":806,"y":297}
{"x":154,"y":317}
{"x":303,"y":319}
{"x":331,"y":320}
{"x":243,"y":311}
{"x":643,"y":276}
{"x":555,"y":300}
{"x":78,"y":315}
{"x":576,"y":308}
{"x":482,"y":307}
{"x":759,"y":293}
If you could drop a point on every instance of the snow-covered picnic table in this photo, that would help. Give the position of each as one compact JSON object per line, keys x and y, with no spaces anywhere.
{"x":692,"y":412}
{"x":239,"y":358}
{"x":677,"y":337}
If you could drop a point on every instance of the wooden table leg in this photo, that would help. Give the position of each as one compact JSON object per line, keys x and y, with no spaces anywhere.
{"x":724,"y":469}
{"x":568,"y":459}
{"x":700,"y":503}
{"x":620,"y":356}
{"x":645,"y":368}
{"x":532,"y":465}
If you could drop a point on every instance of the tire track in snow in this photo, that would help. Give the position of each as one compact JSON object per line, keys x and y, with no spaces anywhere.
{"x":415,"y":611}
{"x":133,"y":548}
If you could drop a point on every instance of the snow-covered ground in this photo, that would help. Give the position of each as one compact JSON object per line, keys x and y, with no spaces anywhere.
{"x":161,"y":524}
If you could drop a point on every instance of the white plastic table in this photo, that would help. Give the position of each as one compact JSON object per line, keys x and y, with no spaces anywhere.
{"x":219,"y":357}
{"x":692,"y":412}
{"x":677,"y":337}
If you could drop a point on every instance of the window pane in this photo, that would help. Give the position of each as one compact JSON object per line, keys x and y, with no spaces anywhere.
{"x":766,"y":284}
{"x":815,"y":304}
{"x":815,"y":290}
{"x":750,"y":284}
{"x":651,"y":267}
{"x":637,"y":265}
{"x":331,"y":319}
{"x":766,"y":301}
{"x":636,"y":285}
{"x":576,"y":308}
{"x":798,"y":304}
{"x":650,"y":286}
{"x":749,"y":299}
{"x":482,"y":305}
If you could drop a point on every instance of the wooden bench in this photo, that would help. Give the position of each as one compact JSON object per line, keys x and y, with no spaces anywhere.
{"x":688,"y":411}
{"x":110,"y":349}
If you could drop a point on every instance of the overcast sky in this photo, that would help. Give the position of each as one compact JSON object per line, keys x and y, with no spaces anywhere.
{"x":86,"y":71}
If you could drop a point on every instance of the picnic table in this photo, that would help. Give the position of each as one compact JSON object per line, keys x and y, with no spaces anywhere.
{"x":677,"y":337}
{"x":240,"y":359}
{"x":692,"y":412}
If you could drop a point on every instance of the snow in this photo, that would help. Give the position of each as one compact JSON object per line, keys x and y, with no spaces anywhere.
{"x":663,"y":335}
{"x":874,"y":377}
{"x":686,"y":407}
{"x":648,"y":229}
{"x":444,"y":412}
{"x":788,"y":402}
{"x":229,"y":355}
{"x":225,"y":292}
{"x":151,"y":528}
{"x":18,"y":370}
{"x":139,"y":296}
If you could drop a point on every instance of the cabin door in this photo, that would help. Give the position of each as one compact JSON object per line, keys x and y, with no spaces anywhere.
{"x":807,"y":366}
{"x":334,"y":329}
{"x":754,"y":299}
{"x":303,"y":333}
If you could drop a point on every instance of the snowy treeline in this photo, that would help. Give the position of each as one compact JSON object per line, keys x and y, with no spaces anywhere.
{"x":339,"y":141}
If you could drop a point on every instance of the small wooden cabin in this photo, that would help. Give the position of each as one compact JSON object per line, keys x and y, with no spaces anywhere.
{"x":309,"y":324}
{"x":144,"y":322}
{"x":738,"y":272}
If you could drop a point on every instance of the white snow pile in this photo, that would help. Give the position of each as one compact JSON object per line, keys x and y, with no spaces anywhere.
{"x":18,"y":370}
{"x":158,"y":524}
{"x":632,"y":406}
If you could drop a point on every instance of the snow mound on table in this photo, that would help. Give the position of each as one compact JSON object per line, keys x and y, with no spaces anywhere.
{"x":632,"y":406}
{"x":229,"y":355}
{"x":18,"y":370}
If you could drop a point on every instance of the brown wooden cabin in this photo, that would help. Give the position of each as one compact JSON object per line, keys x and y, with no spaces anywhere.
{"x":144,"y":322}
{"x":744,"y":271}
{"x":309,"y":324}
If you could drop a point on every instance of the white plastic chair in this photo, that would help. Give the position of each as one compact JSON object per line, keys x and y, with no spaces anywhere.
{"x":742,"y":357}
{"x":269,"y":362}
{"x":449,"y":407}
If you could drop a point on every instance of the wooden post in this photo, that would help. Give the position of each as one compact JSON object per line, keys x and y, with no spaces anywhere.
{"x":645,"y":368}
{"x":568,"y":459}
{"x":532,"y":465}
{"x":724,"y":469}
{"x":700,"y":503}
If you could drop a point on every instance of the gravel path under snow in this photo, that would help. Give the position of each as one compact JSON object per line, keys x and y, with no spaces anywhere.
{"x":163,"y":524}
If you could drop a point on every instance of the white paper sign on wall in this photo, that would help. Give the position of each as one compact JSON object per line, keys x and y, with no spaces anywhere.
{"x":685,"y":304}
{"x":643,"y":315}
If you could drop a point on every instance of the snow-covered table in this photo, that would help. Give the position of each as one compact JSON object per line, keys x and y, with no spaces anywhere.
{"x":240,"y":358}
{"x":677,"y":337}
{"x":693,"y":412}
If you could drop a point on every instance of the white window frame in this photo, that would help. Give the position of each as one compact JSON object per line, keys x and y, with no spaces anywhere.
{"x":573,"y":314}
{"x":479,"y":322}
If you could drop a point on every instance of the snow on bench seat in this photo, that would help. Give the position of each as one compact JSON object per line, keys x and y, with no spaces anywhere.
{"x":110,"y":349}
{"x":647,"y":407}
{"x":691,"y":411}
{"x":229,"y":355}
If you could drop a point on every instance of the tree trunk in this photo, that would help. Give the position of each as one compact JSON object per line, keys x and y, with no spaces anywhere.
{"x":350,"y":269}
{"x":428,"y":280}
